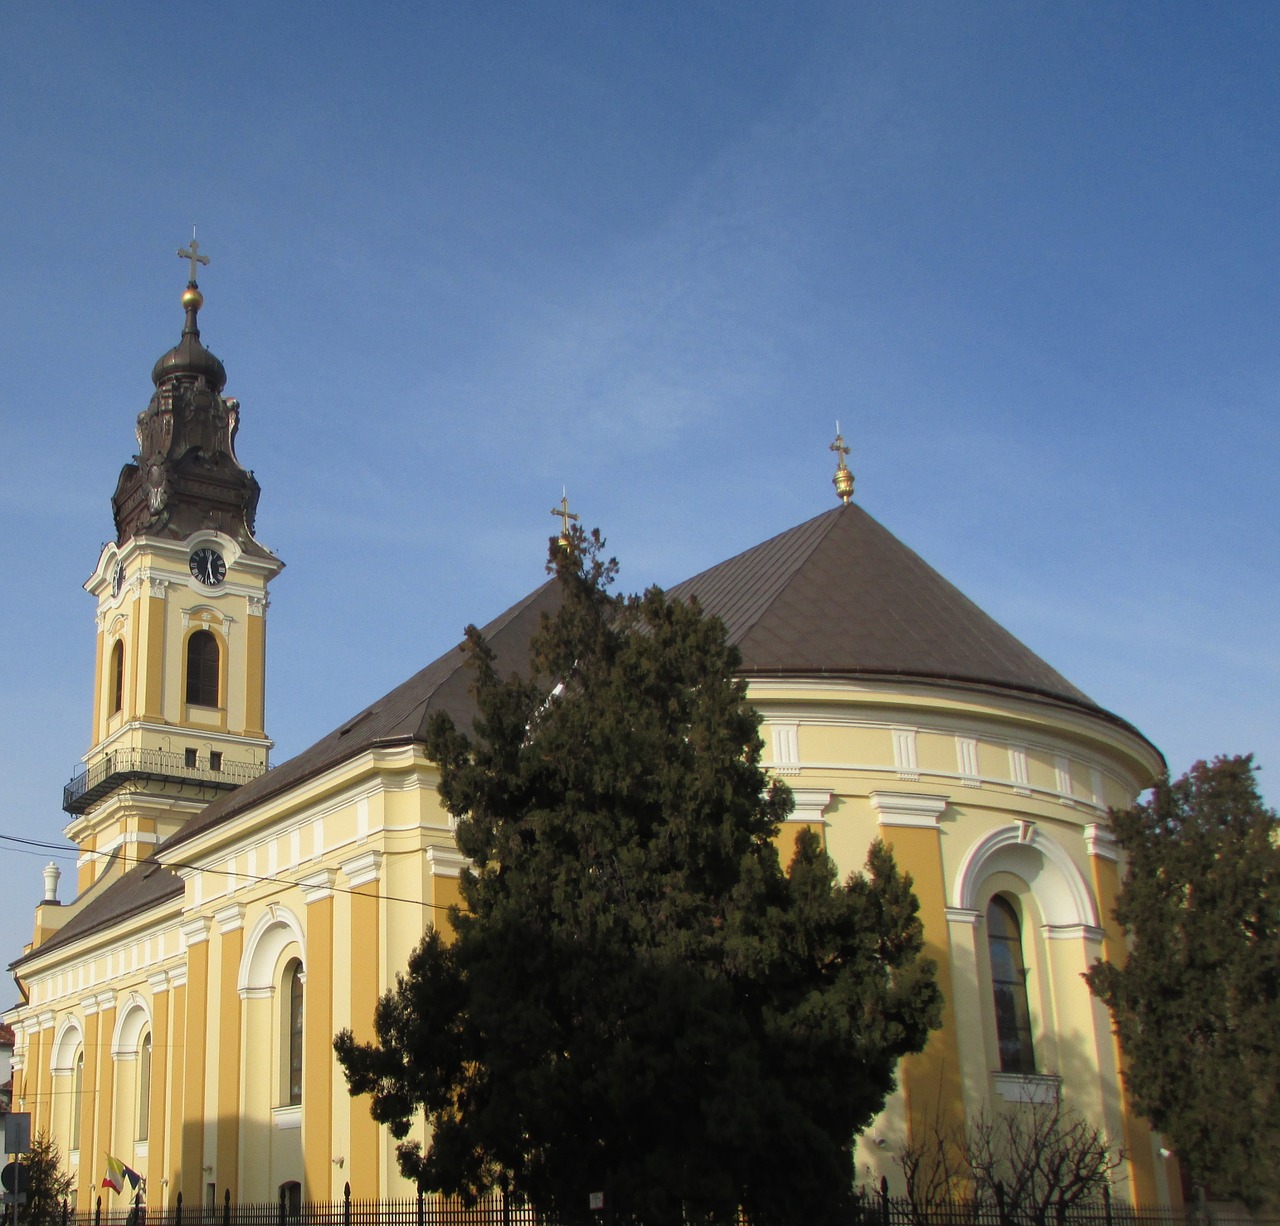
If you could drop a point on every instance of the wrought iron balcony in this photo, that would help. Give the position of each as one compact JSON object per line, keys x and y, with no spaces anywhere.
{"x":133,"y":764}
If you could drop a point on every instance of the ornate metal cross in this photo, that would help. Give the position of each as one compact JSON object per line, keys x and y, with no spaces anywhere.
{"x":565,"y":514}
{"x":193,"y":254}
{"x":839,"y":447}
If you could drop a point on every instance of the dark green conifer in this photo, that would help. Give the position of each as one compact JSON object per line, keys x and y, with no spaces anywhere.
{"x":1197,"y":1003}
{"x":638,"y":999}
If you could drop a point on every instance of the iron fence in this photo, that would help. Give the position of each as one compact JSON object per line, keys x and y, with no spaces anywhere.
{"x":873,"y":1207}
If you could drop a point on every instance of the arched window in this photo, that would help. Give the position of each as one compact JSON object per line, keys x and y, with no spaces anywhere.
{"x":117,"y":676}
{"x":144,"y":1089}
{"x":77,"y":1099}
{"x":202,"y":669}
{"x":293,"y":979}
{"x":1009,"y":985}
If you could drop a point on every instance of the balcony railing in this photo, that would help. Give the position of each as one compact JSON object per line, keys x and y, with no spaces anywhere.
{"x":133,"y":764}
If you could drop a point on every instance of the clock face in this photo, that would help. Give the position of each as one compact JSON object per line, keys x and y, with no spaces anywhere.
{"x":117,"y":579}
{"x":208,"y":567}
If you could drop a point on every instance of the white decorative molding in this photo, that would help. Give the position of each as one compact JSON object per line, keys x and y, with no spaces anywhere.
{"x":229,"y":918}
{"x":1100,"y":842}
{"x":1062,"y":777}
{"x":276,"y":930}
{"x":961,"y":915}
{"x":1088,"y":933}
{"x":178,"y":977}
{"x":155,"y":586}
{"x":363,"y":869}
{"x":256,"y":605}
{"x":195,"y":930}
{"x":811,"y":804}
{"x":132,"y":1019}
{"x":967,"y":761}
{"x":287,"y":1117}
{"x":318,"y":885}
{"x":904,"y":754}
{"x":1021,"y":848}
{"x":1018,"y":769}
{"x":257,"y":993}
{"x":786,"y":748}
{"x":158,"y":982}
{"x":106,"y":1001}
{"x":446,"y":861}
{"x":1039,"y":1088}
{"x":908,"y":808}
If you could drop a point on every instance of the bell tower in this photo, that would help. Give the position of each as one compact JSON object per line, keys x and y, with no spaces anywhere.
{"x":179,"y":682}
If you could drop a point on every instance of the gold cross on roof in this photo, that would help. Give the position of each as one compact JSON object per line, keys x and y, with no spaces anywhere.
{"x":565,"y":515}
{"x":193,"y":254}
{"x":843,"y":480}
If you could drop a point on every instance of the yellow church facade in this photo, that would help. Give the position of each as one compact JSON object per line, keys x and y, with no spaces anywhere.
{"x":228,"y":919}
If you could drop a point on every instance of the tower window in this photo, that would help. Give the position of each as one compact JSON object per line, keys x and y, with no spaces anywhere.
{"x":117,"y":677}
{"x":1009,"y":985}
{"x":202,"y":669}
{"x":215,"y":760}
{"x":189,"y":759}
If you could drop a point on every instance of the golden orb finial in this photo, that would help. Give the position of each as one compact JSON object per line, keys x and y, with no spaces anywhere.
{"x":843,"y":480}
{"x":565,"y":515}
{"x":192,"y":298}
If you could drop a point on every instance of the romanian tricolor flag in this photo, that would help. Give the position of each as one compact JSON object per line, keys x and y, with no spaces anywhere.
{"x":117,"y":1173}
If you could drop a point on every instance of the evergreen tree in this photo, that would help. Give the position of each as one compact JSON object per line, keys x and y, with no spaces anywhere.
{"x":47,"y":1184}
{"x":638,"y":1000}
{"x":1196,"y":1004}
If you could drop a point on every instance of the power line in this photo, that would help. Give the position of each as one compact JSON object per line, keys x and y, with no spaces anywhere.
{"x":62,"y":851}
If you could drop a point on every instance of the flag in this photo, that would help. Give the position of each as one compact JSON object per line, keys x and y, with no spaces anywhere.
{"x":134,"y":1178}
{"x":114,"y":1178}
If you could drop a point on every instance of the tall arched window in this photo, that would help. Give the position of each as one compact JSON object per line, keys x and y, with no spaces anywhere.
{"x":293,"y":980}
{"x":77,"y":1099}
{"x":1009,"y":984}
{"x":117,"y":676}
{"x":202,"y":669}
{"x":144,"y":1089}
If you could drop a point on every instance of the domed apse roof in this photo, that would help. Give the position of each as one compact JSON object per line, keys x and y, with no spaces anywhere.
{"x":841,"y":596}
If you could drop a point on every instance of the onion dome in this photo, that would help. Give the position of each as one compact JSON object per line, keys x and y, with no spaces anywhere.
{"x":189,"y":358}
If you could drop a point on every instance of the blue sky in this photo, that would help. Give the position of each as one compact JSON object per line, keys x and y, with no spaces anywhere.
{"x":465,"y":254}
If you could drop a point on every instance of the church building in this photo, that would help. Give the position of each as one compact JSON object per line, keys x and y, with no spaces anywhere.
{"x":229,"y":916}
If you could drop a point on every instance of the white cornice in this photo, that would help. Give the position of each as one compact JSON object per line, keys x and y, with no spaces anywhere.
{"x":229,"y":918}
{"x":446,"y":861}
{"x":1100,"y":842}
{"x":318,"y":885}
{"x":908,"y":808}
{"x":363,"y":868}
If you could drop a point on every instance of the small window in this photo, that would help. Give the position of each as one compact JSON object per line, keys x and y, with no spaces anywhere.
{"x":215,"y":760}
{"x":189,"y":759}
{"x":1009,"y":986}
{"x":202,"y":669}
{"x":144,"y":1089}
{"x":117,"y":677}
{"x":293,"y":1032}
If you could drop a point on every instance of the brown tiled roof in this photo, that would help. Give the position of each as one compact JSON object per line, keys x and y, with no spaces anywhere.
{"x":840,"y":596}
{"x":836,"y":596}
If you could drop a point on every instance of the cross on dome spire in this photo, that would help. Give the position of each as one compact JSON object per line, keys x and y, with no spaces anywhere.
{"x":192,"y":253}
